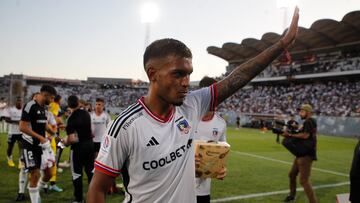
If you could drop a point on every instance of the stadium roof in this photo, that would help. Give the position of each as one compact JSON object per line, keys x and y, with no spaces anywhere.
{"x":323,"y":34}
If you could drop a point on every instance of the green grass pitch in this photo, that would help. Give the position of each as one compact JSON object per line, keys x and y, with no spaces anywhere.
{"x":256,"y":165}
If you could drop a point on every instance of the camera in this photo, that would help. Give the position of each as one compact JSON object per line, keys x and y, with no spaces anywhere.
{"x":279,"y":127}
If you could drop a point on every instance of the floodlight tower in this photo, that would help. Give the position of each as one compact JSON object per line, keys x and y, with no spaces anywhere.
{"x":149,"y":13}
{"x":286,"y":6}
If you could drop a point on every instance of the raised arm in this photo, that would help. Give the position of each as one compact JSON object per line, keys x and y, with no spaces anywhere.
{"x":245,"y":72}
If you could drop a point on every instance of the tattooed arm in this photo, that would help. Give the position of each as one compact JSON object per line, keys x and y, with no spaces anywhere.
{"x":245,"y":72}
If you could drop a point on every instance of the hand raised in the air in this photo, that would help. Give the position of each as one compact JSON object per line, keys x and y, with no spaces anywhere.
{"x":292,"y":31}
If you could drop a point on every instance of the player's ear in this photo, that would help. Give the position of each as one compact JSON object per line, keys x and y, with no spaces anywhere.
{"x":152,"y":73}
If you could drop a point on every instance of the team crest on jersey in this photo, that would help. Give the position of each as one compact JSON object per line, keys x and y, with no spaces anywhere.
{"x":215,"y":132}
{"x":106,"y":144}
{"x":184,"y":127}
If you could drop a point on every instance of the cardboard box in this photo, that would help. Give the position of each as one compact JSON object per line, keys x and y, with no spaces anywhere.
{"x":213,"y":158}
{"x":342,"y":198}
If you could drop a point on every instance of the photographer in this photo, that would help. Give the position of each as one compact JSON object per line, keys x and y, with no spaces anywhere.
{"x":305,"y":139}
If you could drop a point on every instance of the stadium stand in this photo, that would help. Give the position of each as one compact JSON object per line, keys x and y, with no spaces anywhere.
{"x":323,"y":70}
{"x":328,"y":98}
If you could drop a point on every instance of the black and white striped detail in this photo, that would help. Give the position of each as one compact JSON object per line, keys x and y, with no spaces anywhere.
{"x":152,"y":142}
{"x":120,"y":120}
{"x":29,"y":105}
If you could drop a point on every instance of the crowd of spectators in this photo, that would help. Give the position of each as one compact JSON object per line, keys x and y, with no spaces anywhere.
{"x":327,"y":99}
{"x":314,"y":64}
{"x":114,"y":96}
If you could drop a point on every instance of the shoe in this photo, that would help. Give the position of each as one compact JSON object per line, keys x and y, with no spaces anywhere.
{"x":289,"y":198}
{"x":20,"y":197}
{"x":64,"y":164}
{"x":55,"y":188}
{"x":44,"y":187}
{"x":11,"y":163}
{"x":60,"y":170}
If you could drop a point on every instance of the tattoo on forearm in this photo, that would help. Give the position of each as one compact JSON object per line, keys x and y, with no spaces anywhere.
{"x":245,"y":72}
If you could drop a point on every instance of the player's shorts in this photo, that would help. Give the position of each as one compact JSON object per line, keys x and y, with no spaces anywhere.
{"x":14,"y":137}
{"x":31,"y":155}
{"x":97,"y":146}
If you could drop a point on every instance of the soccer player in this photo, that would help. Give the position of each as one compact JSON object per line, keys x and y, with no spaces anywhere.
{"x":211,"y":128}
{"x":3,"y":106}
{"x":78,"y":129}
{"x":12,"y":116}
{"x":99,"y":121}
{"x":56,"y":123}
{"x":150,"y":143}
{"x":35,"y":144}
{"x":52,"y":124}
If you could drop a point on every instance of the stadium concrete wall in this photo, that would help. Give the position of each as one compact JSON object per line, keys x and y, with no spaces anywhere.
{"x":335,"y":126}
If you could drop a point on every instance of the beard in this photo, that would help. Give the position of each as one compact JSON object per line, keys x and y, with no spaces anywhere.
{"x":47,"y":102}
{"x":177,"y":103}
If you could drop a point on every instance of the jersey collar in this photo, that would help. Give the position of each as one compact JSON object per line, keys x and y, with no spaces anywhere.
{"x":155,"y":116}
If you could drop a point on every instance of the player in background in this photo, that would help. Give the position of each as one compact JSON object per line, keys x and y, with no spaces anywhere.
{"x":99,"y":122}
{"x":23,"y":173}
{"x":150,"y":143}
{"x":212,"y":127}
{"x":12,"y":116}
{"x":3,"y":124}
{"x":56,"y":123}
{"x":52,"y":125}
{"x":36,"y":147}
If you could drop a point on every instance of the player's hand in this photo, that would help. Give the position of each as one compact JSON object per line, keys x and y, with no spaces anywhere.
{"x":293,"y":29}
{"x":222,"y":174}
{"x":285,"y":134}
{"x":197,"y":160}
{"x":45,"y":145}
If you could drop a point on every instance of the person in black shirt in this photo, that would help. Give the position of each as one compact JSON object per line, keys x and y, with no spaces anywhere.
{"x":237,"y":122}
{"x":355,"y":176}
{"x":33,"y":124}
{"x":302,"y":165}
{"x":79,"y":137}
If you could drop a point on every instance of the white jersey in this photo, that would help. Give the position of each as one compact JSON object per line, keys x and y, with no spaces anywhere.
{"x":50,"y":118}
{"x":155,"y":155}
{"x":15,"y":115}
{"x":215,"y":130}
{"x":98,"y":125}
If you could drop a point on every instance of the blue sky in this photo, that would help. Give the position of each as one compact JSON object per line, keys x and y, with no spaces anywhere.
{"x":76,"y":39}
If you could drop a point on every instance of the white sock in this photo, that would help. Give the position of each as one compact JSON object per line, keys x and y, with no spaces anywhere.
{"x":22,"y":180}
{"x":34,"y":194}
{"x":43,"y":184}
{"x":9,"y":157}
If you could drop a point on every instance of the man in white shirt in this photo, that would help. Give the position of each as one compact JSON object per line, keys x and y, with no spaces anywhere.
{"x":150,"y":143}
{"x":12,"y":116}
{"x":211,"y":128}
{"x":3,"y":124}
{"x":99,"y":121}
